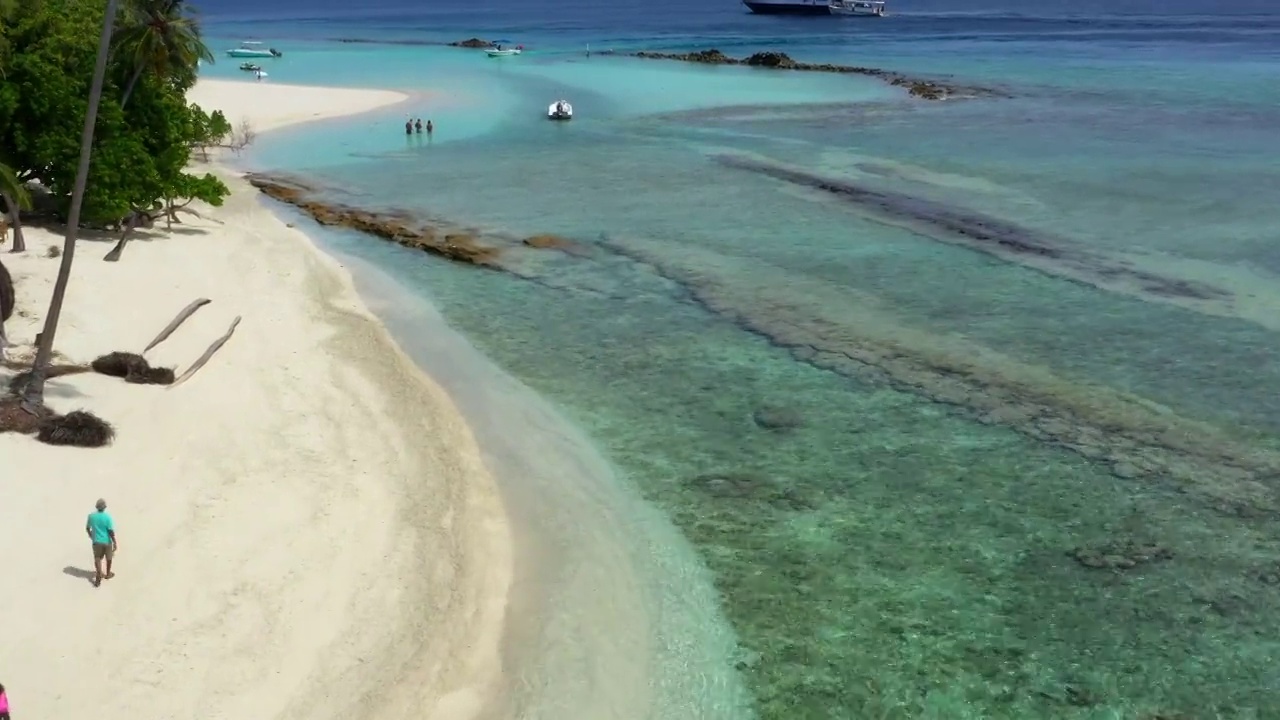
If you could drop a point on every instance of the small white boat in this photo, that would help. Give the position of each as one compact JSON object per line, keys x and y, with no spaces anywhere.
{"x":560,"y":110}
{"x":502,"y":52}
{"x":867,"y":8}
{"x":253,"y":49}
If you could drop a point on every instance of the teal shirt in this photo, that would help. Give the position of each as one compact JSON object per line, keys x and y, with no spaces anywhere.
{"x":101,"y":526}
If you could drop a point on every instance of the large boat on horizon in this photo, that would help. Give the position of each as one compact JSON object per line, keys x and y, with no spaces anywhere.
{"x":788,"y":7}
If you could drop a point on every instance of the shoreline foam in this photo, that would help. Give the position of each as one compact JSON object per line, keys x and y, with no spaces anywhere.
{"x":307,"y":529}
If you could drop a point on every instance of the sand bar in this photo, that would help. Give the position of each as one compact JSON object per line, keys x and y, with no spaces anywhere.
{"x":306,"y":527}
{"x":270,"y":106}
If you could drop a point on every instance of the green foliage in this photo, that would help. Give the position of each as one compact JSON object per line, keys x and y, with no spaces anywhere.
{"x":211,"y":129}
{"x":141,"y":148}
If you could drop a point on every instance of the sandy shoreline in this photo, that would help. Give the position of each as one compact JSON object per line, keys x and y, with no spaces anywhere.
{"x":306,"y":527}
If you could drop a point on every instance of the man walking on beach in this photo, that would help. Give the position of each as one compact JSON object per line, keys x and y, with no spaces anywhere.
{"x":102,"y":533}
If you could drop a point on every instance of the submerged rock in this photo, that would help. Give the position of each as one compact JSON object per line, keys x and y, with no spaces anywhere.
{"x":555,"y":242}
{"x":1268,"y":574}
{"x":1123,"y":555}
{"x":916,"y":87}
{"x":777,"y":418}
{"x":737,"y":485}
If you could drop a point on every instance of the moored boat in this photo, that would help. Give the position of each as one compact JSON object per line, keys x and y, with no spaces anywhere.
{"x":865,"y":8}
{"x":252,"y":49}
{"x":560,"y":110}
{"x":499,"y":51}
{"x":250,"y":67}
{"x":788,"y":7}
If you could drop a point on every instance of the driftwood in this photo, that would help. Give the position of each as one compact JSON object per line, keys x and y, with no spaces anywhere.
{"x":187,"y":312}
{"x":199,"y":363}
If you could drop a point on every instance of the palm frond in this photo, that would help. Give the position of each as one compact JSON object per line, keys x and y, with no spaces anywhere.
{"x":14,"y":188}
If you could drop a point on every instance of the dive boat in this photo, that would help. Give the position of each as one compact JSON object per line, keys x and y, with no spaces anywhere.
{"x":253,"y":50}
{"x":788,"y":7}
{"x":865,"y":8}
{"x":560,"y":110}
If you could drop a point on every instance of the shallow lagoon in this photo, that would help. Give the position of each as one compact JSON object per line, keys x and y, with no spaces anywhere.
{"x":879,"y":553}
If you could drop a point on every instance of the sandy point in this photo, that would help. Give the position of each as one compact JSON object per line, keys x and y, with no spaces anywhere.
{"x":270,"y":106}
{"x":306,"y":527}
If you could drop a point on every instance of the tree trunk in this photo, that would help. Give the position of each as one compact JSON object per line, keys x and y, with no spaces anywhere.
{"x":129,"y":225}
{"x":33,"y":390}
{"x":15,"y":222}
{"x":133,"y":82}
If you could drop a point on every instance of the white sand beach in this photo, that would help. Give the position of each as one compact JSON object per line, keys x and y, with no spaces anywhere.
{"x":306,"y":528}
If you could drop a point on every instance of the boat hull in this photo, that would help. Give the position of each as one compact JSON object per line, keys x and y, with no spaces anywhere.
{"x":249,"y":54}
{"x":502,"y":53}
{"x":786,"y":8}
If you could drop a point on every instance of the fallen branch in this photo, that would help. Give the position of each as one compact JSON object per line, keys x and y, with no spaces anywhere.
{"x":187,"y":312}
{"x":170,"y":214}
{"x":207,"y":354}
{"x":137,"y":219}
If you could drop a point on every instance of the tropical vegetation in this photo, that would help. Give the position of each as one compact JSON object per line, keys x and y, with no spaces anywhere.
{"x":94,"y":121}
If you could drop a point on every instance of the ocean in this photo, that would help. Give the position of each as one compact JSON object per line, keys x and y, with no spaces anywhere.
{"x":843,"y":404}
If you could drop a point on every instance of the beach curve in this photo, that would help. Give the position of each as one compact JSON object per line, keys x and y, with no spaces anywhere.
{"x":307,"y":529}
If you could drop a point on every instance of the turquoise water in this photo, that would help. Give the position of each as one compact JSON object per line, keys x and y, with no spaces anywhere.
{"x":899,"y":455}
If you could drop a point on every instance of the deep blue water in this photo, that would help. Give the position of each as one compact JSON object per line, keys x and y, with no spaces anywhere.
{"x":1239,"y":29}
{"x":923,"y":474}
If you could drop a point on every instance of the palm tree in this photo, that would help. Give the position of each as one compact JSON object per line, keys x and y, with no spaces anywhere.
{"x":162,"y":37}
{"x":32,"y":391}
{"x":16,"y":199}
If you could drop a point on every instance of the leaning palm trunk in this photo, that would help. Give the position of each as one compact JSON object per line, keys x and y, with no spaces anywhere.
{"x":33,"y":389}
{"x":133,"y":82}
{"x":15,"y":221}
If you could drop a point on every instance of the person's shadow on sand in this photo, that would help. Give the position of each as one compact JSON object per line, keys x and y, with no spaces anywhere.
{"x":78,"y":573}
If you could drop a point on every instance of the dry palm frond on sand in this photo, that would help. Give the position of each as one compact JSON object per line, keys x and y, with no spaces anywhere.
{"x":78,"y":429}
{"x":133,"y":368}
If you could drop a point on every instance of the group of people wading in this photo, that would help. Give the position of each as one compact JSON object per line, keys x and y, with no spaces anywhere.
{"x":412,"y":126}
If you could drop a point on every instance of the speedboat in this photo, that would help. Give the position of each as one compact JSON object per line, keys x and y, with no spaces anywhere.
{"x":866,"y":8}
{"x":253,"y":50}
{"x":560,"y":110}
{"x":499,"y":51}
{"x":250,"y":67}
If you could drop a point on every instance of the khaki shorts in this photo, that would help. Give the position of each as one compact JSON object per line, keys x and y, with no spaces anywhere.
{"x":102,"y":550}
